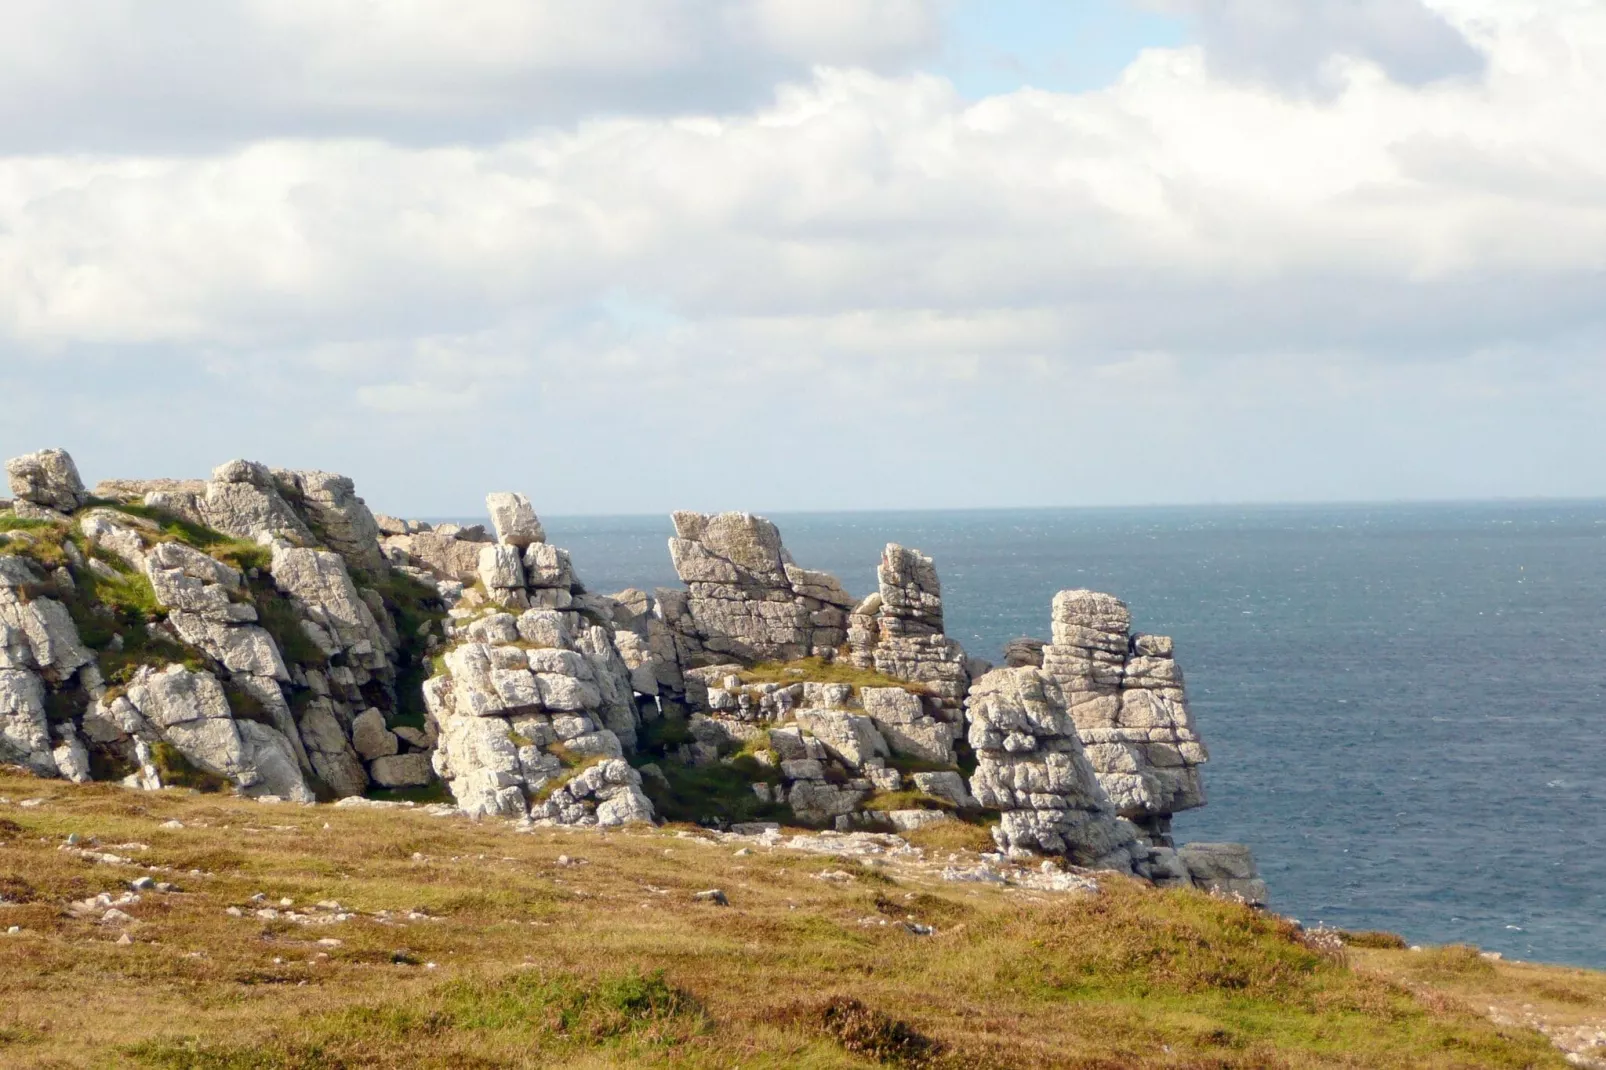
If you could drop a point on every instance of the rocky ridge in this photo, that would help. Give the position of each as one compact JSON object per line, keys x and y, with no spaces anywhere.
{"x":265,"y":632}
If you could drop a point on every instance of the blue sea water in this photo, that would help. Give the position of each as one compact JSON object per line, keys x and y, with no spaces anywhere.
{"x":1403,"y":703}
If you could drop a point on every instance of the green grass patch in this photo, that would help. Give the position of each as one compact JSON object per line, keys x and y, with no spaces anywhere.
{"x":705,"y":794}
{"x":172,"y":526}
{"x":668,"y":733}
{"x":10,"y":523}
{"x":177,"y":770}
{"x":282,"y":620}
{"x":908,"y":765}
{"x":905,"y":800}
{"x":527,"y":1011}
{"x":1372,"y":938}
{"x":820,"y":671}
{"x":42,"y":541}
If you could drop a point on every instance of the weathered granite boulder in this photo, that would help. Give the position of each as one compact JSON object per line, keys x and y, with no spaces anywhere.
{"x":241,"y":500}
{"x":1226,"y":869}
{"x":1030,"y":766}
{"x":745,"y":597}
{"x":333,"y":511}
{"x":125,"y":537}
{"x":36,"y":633}
{"x":1024,"y":653}
{"x":912,"y":725}
{"x":514,"y":520}
{"x":190,"y":712}
{"x":24,"y":727}
{"x":452,"y":556}
{"x":337,"y":618}
{"x":48,"y":479}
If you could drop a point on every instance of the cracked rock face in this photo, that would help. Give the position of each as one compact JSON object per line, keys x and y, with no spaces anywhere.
{"x":24,"y":728}
{"x":1030,"y":765}
{"x":898,"y":632}
{"x":537,"y":704}
{"x":1125,"y":693}
{"x":514,"y":520}
{"x":745,"y":597}
{"x":190,"y":712}
{"x":48,"y":479}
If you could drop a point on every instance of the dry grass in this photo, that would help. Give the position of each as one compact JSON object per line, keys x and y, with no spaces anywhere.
{"x":1568,"y":1003}
{"x":608,"y":961}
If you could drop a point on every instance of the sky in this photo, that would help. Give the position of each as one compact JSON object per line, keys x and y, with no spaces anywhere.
{"x":780,"y":255}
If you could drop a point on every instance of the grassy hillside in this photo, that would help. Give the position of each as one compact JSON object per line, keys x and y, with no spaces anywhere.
{"x":441,"y":942}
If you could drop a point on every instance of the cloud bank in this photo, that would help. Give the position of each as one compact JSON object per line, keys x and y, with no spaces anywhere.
{"x":1205,"y":281}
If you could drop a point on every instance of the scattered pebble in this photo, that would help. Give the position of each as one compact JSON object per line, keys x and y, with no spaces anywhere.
{"x":124,"y":940}
{"x":744,"y":852}
{"x":29,"y":804}
{"x":13,"y":930}
{"x":174,"y":824}
{"x":142,"y":884}
{"x":713,"y":895}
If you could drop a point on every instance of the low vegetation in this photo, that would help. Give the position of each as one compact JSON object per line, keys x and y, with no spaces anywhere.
{"x":820,"y":671}
{"x":471,"y":944}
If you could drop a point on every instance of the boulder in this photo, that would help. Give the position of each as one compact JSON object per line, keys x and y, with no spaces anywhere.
{"x":342,"y":519}
{"x":24,"y":727}
{"x":850,"y":738}
{"x":514,"y":520}
{"x":1226,"y":869}
{"x":371,"y":738}
{"x":49,"y":479}
{"x":745,"y":597}
{"x":401,"y":770}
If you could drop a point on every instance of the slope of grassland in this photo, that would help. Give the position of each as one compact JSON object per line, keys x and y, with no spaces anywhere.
{"x":355,"y":937}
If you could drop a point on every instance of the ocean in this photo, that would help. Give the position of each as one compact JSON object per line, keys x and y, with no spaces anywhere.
{"x":1403,"y":703}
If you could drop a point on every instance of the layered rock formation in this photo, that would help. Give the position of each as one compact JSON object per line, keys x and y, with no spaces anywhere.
{"x":263,"y":630}
{"x":1125,"y":693}
{"x":536,"y":707}
{"x":214,"y":632}
{"x":898,"y":632}
{"x":745,"y":597}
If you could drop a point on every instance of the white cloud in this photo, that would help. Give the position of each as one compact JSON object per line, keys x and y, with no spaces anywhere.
{"x":115,"y":75}
{"x":1202,"y":278}
{"x":1294,"y":43}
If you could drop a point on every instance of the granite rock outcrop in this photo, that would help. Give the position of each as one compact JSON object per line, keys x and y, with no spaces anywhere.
{"x":263,"y":631}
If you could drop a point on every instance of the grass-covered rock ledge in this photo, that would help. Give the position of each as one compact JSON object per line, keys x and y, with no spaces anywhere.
{"x":169,"y":929}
